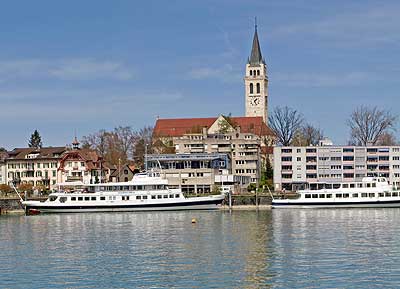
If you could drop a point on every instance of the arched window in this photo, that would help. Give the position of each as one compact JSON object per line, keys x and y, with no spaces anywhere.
{"x":258,"y":72}
{"x":251,"y":88}
{"x":258,"y":88}
{"x":251,"y":72}
{"x":254,"y":72}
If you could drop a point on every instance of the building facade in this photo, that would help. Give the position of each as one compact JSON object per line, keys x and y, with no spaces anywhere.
{"x":299,"y":167}
{"x":3,"y":172}
{"x":256,"y":83}
{"x":35,"y":166}
{"x":239,"y":137}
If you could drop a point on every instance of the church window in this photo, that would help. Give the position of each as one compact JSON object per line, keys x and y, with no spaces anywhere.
{"x":254,"y":72}
{"x":251,"y":88}
{"x":258,"y":88}
{"x":251,"y":72}
{"x":258,"y":72}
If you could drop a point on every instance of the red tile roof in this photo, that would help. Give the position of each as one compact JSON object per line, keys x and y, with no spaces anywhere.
{"x":181,"y":126}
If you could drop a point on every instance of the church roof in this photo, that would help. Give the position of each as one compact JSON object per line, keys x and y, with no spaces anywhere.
{"x":180,"y":126}
{"x":256,"y":57}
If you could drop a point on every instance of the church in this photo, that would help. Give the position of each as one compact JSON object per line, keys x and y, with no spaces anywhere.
{"x":247,"y":140}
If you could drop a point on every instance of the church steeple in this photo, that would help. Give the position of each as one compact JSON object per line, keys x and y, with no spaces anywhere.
{"x":256,"y":82}
{"x":256,"y":57}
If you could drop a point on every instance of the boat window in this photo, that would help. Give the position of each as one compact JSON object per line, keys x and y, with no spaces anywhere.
{"x":80,"y":198}
{"x":387,"y":194}
{"x":359,"y":185}
{"x":176,"y":195}
{"x":364,"y":195}
{"x":87,"y":198}
{"x":328,"y":186}
{"x":126,"y":188}
{"x":368,"y":185}
{"x":381,"y":195}
{"x":345,"y":186}
{"x":336,"y":186}
{"x":125,"y":198}
{"x":102,"y":188}
{"x":354,"y":195}
{"x":374,"y":185}
{"x":314,"y":196}
{"x":144,"y":197}
{"x":352,"y":186}
{"x":153,"y":197}
{"x":345,"y":195}
{"x":395,"y":194}
{"x":339,"y":195}
{"x":371,"y":195}
{"x":138,"y":197}
{"x":53,"y":198}
{"x":171,"y":196}
{"x":165,"y":196}
{"x":109,"y":188}
{"x":322,"y":196}
{"x":102,"y":198}
{"x":159,"y":197}
{"x":328,"y":196}
{"x":139,"y":188}
{"x":73,"y":198}
{"x":93,"y":198}
{"x":308,"y":196}
{"x":63,"y":199}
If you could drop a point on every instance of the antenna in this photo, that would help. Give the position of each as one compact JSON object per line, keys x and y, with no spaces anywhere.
{"x":255,"y":23}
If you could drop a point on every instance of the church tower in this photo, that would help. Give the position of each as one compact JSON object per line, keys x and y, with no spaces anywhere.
{"x":256,"y":82}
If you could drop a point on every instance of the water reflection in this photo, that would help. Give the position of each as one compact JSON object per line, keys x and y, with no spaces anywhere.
{"x":279,"y":248}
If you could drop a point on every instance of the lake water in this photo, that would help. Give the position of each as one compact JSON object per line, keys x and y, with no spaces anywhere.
{"x":244,"y":249}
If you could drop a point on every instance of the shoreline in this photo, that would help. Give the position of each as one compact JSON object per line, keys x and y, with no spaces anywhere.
{"x":223,"y":208}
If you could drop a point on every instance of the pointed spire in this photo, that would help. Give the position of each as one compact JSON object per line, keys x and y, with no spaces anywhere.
{"x":256,"y":57}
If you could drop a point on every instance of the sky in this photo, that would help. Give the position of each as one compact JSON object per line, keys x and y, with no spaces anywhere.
{"x":82,"y":66}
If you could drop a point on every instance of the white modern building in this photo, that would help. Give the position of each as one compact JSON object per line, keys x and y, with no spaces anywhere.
{"x":299,"y":167}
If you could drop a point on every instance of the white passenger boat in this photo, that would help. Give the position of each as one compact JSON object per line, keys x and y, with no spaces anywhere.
{"x":371,"y":192}
{"x":146,"y":191}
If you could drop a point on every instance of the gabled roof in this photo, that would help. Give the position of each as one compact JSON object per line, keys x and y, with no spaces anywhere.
{"x":180,"y":126}
{"x":42,"y":153}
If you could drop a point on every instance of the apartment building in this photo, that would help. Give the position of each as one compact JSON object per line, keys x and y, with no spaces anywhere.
{"x":35,"y":166}
{"x":2,"y":172}
{"x":242,"y":138}
{"x":298,"y":167}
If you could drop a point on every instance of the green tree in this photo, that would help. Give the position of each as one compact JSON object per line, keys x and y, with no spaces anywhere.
{"x":35,"y":140}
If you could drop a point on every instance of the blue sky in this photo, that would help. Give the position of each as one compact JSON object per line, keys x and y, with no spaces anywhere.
{"x":89,"y":65}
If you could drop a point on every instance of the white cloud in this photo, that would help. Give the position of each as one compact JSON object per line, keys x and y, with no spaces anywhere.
{"x":225,"y":73}
{"x":373,"y":25}
{"x":65,"y":69}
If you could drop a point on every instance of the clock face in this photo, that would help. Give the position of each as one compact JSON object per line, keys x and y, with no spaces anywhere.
{"x":255,"y":101}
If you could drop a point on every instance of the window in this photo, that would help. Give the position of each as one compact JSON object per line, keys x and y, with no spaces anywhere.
{"x":328,"y":196}
{"x":80,"y":198}
{"x":63,"y":199}
{"x":87,"y":198}
{"x":159,"y":197}
{"x":364,"y":195}
{"x":102,"y":198}
{"x":144,"y":197}
{"x":251,"y":88}
{"x":153,"y":197}
{"x":381,"y":195}
{"x":73,"y":198}
{"x":138,"y":197}
{"x":314,"y":196}
{"x":258,"y":88}
{"x":395,"y":194}
{"x":345,"y":195}
{"x":339,"y":195}
{"x":371,"y":195}
{"x":387,"y":194}
{"x":308,"y":196}
{"x":355,"y":195}
{"x":251,"y":72}
{"x":176,"y":195}
{"x":93,"y":198}
{"x":322,"y":196}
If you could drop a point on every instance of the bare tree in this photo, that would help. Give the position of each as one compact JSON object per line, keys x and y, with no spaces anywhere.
{"x":367,"y":125}
{"x":125,"y":138}
{"x":285,"y":122}
{"x":307,"y":135}
{"x":96,"y":141}
{"x":387,"y":139}
{"x":143,"y":139}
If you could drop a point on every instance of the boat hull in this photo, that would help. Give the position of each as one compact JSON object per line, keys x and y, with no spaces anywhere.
{"x":195,"y":205}
{"x":315,"y":205}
